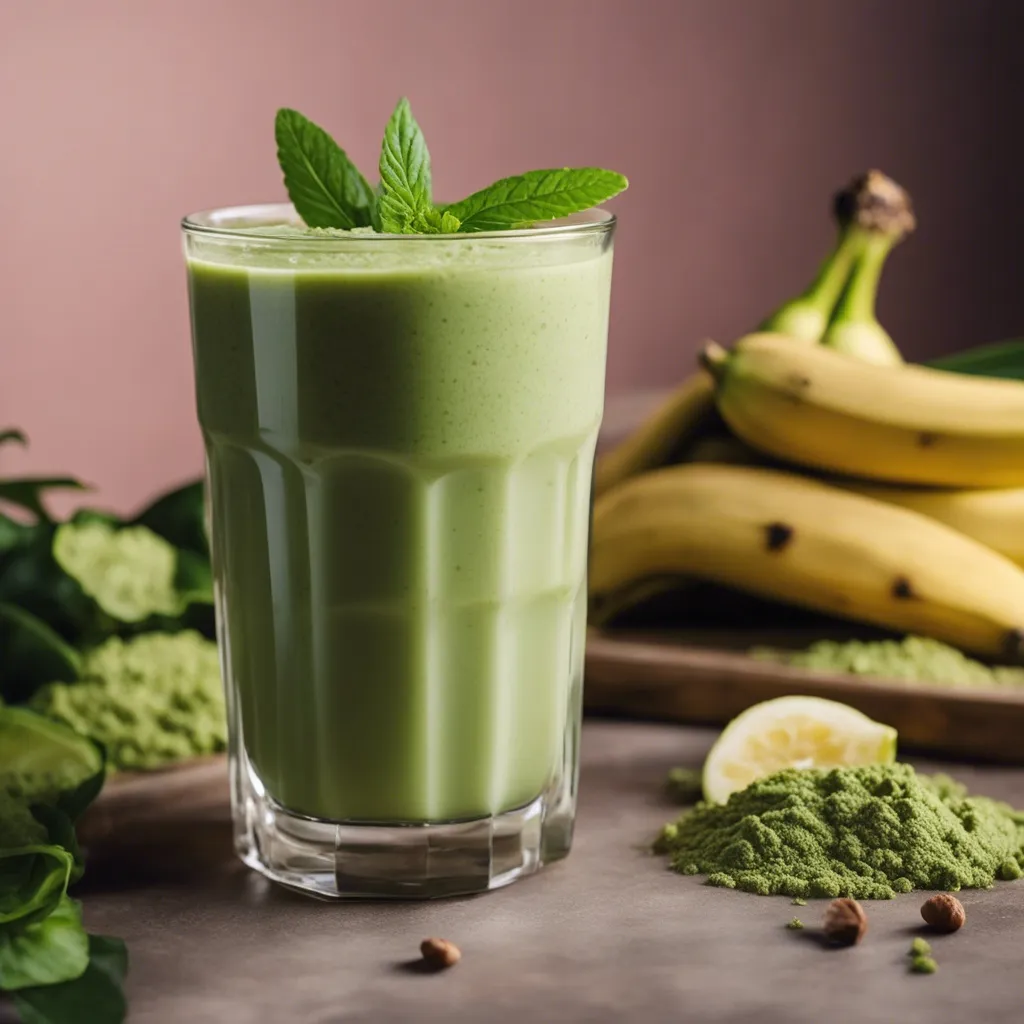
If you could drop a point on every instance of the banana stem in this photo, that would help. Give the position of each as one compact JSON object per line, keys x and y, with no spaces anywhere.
{"x":857,"y":300}
{"x":806,"y":317}
{"x":854,"y":328}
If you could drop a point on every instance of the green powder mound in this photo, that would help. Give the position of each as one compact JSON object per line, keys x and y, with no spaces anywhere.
{"x":867,"y":833}
{"x":150,"y":701}
{"x":129,"y":573}
{"x":914,"y":659}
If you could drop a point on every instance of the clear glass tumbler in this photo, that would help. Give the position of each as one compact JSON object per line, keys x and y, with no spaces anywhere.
{"x":400,"y":434}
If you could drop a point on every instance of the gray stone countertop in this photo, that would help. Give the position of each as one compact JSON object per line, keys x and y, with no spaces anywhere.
{"x":607,"y":935}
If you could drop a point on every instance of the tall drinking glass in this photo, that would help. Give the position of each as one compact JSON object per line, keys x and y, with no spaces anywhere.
{"x":400,"y":434}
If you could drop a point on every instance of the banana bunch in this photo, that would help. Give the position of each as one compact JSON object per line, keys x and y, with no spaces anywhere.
{"x":811,"y":465}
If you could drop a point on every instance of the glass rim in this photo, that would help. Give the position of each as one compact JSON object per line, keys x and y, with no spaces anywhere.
{"x":216,"y":224}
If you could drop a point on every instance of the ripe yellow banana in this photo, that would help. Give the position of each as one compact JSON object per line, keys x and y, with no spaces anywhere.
{"x":788,"y":537}
{"x":665,"y":429}
{"x":995,"y":518}
{"x":908,"y":424}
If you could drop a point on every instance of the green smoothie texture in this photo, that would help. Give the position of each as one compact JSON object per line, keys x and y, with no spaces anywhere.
{"x":400,"y":440}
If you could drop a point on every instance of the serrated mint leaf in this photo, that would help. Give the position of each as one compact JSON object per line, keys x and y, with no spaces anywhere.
{"x":324,"y":186}
{"x":536,"y":196}
{"x":404,"y":174}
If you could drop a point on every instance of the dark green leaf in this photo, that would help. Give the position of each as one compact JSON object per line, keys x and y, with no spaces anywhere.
{"x":34,"y":582}
{"x":179,"y":516}
{"x":51,"y":951}
{"x":13,"y":534}
{"x":404,"y":173}
{"x":1004,"y":359}
{"x":323,"y":184}
{"x":31,"y":654}
{"x":194,"y":579}
{"x":95,"y":515}
{"x":60,"y":831}
{"x":27,"y":492}
{"x":33,"y":880}
{"x":94,"y":998}
{"x":6,"y":436}
{"x":536,"y":196}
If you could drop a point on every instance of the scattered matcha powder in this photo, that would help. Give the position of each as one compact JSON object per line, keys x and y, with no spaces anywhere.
{"x":865,"y":832}
{"x":799,"y":902}
{"x":913,"y":659}
{"x":796,"y":924}
{"x":919,"y":947}
{"x":150,"y":701}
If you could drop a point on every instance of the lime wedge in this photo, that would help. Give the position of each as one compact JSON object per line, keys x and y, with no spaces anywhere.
{"x":793,"y":732}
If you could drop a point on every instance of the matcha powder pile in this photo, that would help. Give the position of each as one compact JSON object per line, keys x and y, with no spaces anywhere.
{"x":866,"y":833}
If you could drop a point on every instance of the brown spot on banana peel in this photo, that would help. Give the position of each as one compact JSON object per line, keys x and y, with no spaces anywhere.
{"x":903,"y":589}
{"x":777,"y":536}
{"x":927,"y":439}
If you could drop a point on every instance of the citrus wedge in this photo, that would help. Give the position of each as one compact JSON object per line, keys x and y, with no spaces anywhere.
{"x":793,"y":732}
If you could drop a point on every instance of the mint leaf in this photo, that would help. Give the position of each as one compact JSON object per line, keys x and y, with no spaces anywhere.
{"x":536,"y":195}
{"x":404,"y":174}
{"x":13,"y":435}
{"x":94,"y":998}
{"x":48,"y":952}
{"x":324,"y":186}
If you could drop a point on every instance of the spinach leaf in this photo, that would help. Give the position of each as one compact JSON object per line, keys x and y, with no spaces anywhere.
{"x":47,"y":952}
{"x":94,"y":998}
{"x":179,"y":516}
{"x":31,"y":654}
{"x":33,"y":880}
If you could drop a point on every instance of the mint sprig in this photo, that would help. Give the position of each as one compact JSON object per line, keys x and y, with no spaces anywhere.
{"x":405,"y":196}
{"x":325,"y":187}
{"x":329,"y":192}
{"x":536,"y":196}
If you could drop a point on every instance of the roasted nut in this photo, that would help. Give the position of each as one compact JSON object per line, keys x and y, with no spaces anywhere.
{"x":944,"y":913}
{"x":845,"y":922}
{"x":440,"y":953}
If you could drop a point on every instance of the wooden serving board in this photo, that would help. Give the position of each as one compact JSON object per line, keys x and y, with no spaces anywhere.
{"x":676,"y":678}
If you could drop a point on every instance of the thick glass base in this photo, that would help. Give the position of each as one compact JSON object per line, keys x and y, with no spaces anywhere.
{"x":340,"y":860}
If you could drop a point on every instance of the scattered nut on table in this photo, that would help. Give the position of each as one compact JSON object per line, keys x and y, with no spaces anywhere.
{"x":845,"y":922}
{"x":440,"y":953}
{"x":945,"y":913}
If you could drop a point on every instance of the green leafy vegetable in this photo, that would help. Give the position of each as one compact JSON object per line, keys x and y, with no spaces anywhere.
{"x":40,"y":760}
{"x":27,"y":492}
{"x":179,"y":516}
{"x":32,"y":654}
{"x":1003,"y":359}
{"x":33,"y":880}
{"x":404,"y":174}
{"x":324,"y":185}
{"x":48,"y":952}
{"x":6,"y":436}
{"x":95,"y":998}
{"x":535,"y":196}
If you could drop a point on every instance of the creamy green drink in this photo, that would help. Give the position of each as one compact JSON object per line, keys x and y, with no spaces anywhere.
{"x":400,"y":436}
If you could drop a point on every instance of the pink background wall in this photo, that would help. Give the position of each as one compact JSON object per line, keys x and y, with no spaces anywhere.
{"x":735,"y":120}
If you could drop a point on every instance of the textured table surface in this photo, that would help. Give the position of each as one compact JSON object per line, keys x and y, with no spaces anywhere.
{"x":608,"y":935}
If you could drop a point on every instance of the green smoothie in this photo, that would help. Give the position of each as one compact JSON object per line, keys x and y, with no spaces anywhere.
{"x":400,"y":439}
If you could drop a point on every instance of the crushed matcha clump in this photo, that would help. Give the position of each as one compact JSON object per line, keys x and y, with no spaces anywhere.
{"x":865,"y":832}
{"x":150,"y":701}
{"x":920,"y":947}
{"x":914,"y":659}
